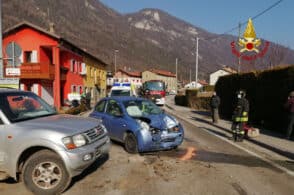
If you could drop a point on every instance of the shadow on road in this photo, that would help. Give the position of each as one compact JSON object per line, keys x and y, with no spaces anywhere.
{"x":268,"y":146}
{"x":203,"y":113}
{"x":9,"y":180}
{"x":97,"y":164}
{"x":218,"y":157}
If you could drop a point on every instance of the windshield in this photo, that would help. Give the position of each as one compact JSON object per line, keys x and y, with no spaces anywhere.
{"x":141,"y":107}
{"x":120,"y":92}
{"x":154,"y":85}
{"x":24,"y":106}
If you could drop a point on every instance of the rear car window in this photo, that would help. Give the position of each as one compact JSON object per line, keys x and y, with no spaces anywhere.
{"x":120,"y":92}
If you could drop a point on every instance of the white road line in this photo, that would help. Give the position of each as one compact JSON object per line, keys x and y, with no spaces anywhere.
{"x":287,"y":171}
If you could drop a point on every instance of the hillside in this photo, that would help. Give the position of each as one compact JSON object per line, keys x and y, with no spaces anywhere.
{"x":147,"y":39}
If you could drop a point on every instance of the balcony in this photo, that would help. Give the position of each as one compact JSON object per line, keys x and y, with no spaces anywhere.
{"x":37,"y":71}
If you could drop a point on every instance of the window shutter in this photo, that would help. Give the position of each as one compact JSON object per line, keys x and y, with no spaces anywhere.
{"x":71,"y":65}
{"x":83,"y":68}
{"x":34,"y":56}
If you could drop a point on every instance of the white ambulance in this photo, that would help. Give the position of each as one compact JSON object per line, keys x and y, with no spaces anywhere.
{"x":122,"y":89}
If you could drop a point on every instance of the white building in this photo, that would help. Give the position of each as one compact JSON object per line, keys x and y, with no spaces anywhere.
{"x":213,"y":77}
{"x":200,"y":84}
{"x":134,"y":78}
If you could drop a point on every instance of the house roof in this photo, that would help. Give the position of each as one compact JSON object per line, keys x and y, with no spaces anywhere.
{"x":28,"y":24}
{"x":229,"y":69}
{"x":202,"y":82}
{"x":46,"y":32}
{"x":131,"y":73}
{"x":163,"y":72}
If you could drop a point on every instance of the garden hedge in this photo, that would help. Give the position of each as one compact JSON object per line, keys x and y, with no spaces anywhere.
{"x":267,"y":93}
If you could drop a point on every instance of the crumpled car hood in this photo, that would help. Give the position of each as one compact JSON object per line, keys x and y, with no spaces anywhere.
{"x":162,"y":121}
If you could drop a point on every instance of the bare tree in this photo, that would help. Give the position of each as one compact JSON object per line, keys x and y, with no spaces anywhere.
{"x":275,"y":56}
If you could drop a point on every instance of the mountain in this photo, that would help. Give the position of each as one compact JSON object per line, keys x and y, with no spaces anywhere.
{"x":147,"y":39}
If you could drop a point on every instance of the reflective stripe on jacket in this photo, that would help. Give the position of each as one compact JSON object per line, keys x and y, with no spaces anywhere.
{"x":241,"y":119}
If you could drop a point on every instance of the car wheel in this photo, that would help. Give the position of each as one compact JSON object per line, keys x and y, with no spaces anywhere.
{"x":45,"y":173}
{"x":131,"y":143}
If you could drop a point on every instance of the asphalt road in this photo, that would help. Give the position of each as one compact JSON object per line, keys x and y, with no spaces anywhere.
{"x":203,"y":164}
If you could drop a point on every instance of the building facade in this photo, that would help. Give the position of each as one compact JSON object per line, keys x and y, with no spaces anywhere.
{"x":133,"y":77}
{"x":44,"y":62}
{"x":94,"y":77}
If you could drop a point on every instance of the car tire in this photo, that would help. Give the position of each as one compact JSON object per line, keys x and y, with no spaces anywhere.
{"x":131,"y":145}
{"x":45,"y":173}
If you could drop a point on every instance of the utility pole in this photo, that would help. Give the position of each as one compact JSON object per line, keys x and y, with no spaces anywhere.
{"x":115,"y":51}
{"x":176,"y":73}
{"x":239,"y":58}
{"x":190,"y":75}
{"x":196,"y":68}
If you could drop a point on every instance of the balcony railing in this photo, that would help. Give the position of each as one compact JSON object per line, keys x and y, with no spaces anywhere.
{"x":37,"y":70}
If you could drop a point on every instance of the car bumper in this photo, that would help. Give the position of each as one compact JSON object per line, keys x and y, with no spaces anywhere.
{"x":79,"y":159}
{"x":160,"y":141}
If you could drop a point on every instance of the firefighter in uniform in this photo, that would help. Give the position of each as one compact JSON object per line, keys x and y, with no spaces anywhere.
{"x":240,"y":116}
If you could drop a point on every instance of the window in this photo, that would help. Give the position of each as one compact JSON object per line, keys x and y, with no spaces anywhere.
{"x":81,"y":89}
{"x":28,"y":56}
{"x":1,"y":122}
{"x":100,"y":106}
{"x":73,"y":89}
{"x":113,"y":108}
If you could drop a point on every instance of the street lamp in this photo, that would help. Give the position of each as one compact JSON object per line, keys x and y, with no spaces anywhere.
{"x":115,"y":51}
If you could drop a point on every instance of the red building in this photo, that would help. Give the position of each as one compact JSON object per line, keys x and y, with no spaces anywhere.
{"x":45,"y":63}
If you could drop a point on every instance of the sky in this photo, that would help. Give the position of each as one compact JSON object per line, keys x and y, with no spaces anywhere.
{"x":220,"y":16}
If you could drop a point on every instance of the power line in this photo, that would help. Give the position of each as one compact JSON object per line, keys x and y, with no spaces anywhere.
{"x":245,"y":22}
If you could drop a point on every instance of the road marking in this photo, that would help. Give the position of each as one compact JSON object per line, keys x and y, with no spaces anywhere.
{"x":287,"y":171}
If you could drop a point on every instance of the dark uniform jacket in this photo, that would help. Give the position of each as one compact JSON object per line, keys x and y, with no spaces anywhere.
{"x":214,"y":101}
{"x":241,"y":109}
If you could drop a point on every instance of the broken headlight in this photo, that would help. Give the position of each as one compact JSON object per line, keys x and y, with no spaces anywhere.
{"x":143,"y":125}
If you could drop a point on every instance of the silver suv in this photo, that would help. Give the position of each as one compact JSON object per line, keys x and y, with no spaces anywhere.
{"x":44,"y":148}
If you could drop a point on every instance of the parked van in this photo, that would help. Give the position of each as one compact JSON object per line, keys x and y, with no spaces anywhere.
{"x":122,"y":89}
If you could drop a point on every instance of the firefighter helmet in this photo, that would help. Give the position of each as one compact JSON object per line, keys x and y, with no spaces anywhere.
{"x":241,"y":93}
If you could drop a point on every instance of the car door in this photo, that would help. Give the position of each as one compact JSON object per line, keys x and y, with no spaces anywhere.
{"x":115,"y":120}
{"x":3,"y":152}
{"x":99,"y":112}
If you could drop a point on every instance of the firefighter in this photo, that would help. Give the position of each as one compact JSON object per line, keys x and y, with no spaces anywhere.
{"x":240,"y":116}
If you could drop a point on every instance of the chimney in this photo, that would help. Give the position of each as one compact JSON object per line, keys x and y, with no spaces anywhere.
{"x":51,"y":27}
